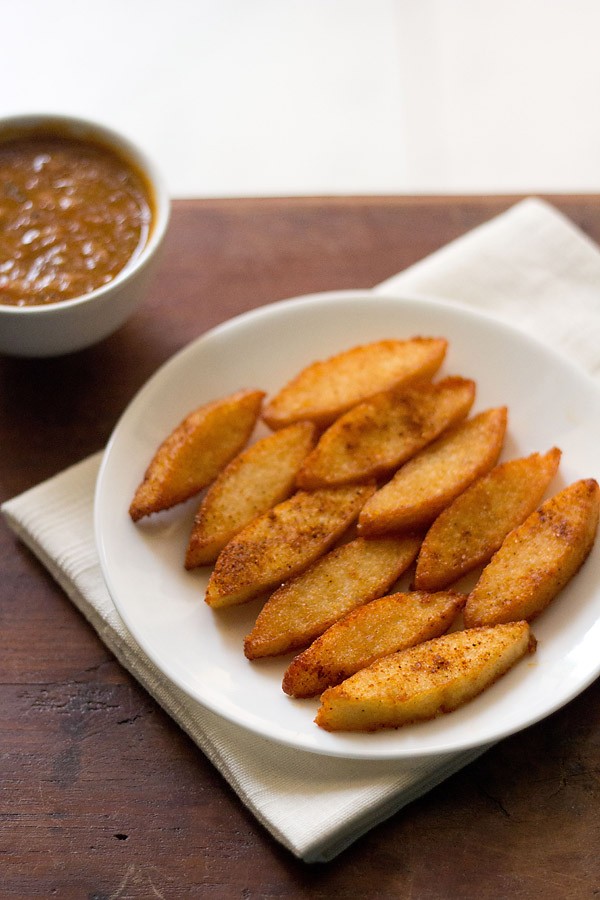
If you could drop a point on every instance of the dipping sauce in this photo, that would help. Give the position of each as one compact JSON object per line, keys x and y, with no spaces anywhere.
{"x":73,"y":213}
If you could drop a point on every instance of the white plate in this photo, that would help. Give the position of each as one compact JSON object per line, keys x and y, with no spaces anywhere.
{"x":550,"y":403}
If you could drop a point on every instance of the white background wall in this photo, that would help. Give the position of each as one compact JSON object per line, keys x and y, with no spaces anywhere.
{"x":267,"y":97}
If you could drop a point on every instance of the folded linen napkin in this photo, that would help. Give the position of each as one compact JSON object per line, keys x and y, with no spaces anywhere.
{"x":530,"y":266}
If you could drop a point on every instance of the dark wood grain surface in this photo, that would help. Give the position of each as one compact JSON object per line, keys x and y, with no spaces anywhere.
{"x":102,"y":796}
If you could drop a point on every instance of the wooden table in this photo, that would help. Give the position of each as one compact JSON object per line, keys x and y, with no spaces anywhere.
{"x":101,"y":794}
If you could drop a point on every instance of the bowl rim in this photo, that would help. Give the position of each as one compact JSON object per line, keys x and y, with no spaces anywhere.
{"x":80,"y":127}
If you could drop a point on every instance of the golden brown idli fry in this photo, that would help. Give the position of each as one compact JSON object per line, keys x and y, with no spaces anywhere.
{"x":538,"y":558}
{"x":255,"y":481}
{"x":282,"y":543}
{"x":324,"y":390}
{"x":472,"y":528}
{"x":376,"y":629}
{"x":304,"y":607}
{"x":194,"y":453}
{"x":432,"y":479}
{"x":424,"y":681}
{"x":377,"y":436}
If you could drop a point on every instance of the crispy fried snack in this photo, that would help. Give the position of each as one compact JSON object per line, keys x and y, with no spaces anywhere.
{"x":377,"y":436}
{"x":376,"y":629}
{"x":432,"y":479}
{"x":194,"y":453}
{"x":252,"y":483}
{"x":472,"y":528}
{"x":424,"y":681}
{"x":303,"y":608}
{"x":537,"y":559}
{"x":324,"y":390}
{"x":282,"y":543}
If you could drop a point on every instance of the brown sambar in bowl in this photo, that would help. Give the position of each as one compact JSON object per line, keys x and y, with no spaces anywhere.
{"x":73,"y":214}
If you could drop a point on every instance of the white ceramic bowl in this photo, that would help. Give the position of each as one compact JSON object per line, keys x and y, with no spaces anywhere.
{"x":68,"y":325}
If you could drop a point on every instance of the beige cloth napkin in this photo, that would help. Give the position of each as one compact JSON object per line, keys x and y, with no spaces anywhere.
{"x":530,"y":266}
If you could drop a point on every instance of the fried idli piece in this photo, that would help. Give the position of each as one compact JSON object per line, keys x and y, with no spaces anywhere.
{"x":432,"y":479}
{"x":469,"y":531}
{"x":538,"y":558}
{"x":352,"y":574}
{"x":375,"y":437}
{"x":255,"y":481}
{"x":194,"y":453}
{"x":425,"y":681}
{"x":376,"y":629}
{"x":282,"y":543}
{"x":324,"y":390}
